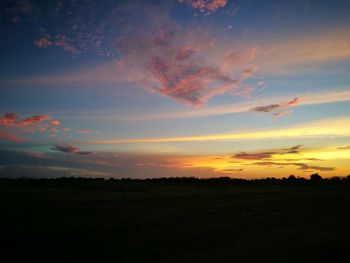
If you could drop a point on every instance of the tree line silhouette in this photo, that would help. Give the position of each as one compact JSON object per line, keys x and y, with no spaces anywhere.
{"x":99,"y":183}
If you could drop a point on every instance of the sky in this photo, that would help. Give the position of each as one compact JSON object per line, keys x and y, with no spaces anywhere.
{"x":202,"y":88}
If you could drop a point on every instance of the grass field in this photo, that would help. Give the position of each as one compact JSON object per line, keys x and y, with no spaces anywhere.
{"x":174,"y":222}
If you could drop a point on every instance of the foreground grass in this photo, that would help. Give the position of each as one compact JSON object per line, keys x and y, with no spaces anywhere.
{"x":175,"y":222}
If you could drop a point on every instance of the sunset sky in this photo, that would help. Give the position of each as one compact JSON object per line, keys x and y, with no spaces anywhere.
{"x":204,"y":88}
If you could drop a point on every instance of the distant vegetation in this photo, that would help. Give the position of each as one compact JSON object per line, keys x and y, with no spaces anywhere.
{"x":105,"y":182}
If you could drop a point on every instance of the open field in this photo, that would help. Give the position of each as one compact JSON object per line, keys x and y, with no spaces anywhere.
{"x":139,"y":221}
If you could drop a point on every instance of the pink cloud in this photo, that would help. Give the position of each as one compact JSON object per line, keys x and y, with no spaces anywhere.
{"x":34,"y":119}
{"x":185,"y":52}
{"x":10,"y":137}
{"x":66,"y":129}
{"x":55,"y":123}
{"x":203,"y":5}
{"x":65,"y":43}
{"x":234,"y":57}
{"x":11,"y":119}
{"x":189,"y":82}
{"x":293,"y":102}
{"x":8,"y":119}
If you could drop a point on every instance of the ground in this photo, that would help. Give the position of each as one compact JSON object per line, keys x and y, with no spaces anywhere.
{"x":138,"y":221}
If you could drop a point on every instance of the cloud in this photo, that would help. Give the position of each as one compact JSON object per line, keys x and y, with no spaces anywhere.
{"x":55,"y":123}
{"x":294,"y":149}
{"x":43,"y":42}
{"x":12,"y":122}
{"x":70,"y":149}
{"x":267,"y":155}
{"x":189,"y":82}
{"x":59,"y":40}
{"x":34,"y":119}
{"x":253,"y":156}
{"x":177,"y":65}
{"x":272,"y":107}
{"x":11,"y":119}
{"x":302,"y":166}
{"x":233,"y":170}
{"x":205,"y":5}
{"x":344,"y":148}
{"x":10,"y":137}
{"x":8,"y":119}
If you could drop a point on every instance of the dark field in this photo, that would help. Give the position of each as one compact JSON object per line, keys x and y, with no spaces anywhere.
{"x":139,"y":221}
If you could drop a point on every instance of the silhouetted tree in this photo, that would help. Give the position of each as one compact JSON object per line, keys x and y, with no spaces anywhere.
{"x":315,"y":177}
{"x":292,"y":177}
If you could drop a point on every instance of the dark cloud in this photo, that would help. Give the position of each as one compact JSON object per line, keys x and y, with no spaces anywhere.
{"x":70,"y":149}
{"x":273,"y":107}
{"x":302,"y":166}
{"x":294,"y":149}
{"x":234,"y":170}
{"x":344,"y":148}
{"x":266,"y":155}
{"x":253,"y":156}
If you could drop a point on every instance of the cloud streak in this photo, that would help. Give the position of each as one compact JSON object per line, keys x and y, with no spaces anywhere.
{"x":318,"y":129}
{"x":267,"y":155}
{"x":70,"y":149}
{"x":302,"y":166}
